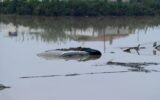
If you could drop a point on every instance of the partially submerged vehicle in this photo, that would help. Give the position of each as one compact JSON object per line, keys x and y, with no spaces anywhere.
{"x":78,"y":53}
{"x":144,"y":49}
{"x":3,"y":87}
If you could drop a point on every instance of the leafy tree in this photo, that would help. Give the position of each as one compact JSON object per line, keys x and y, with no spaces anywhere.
{"x":80,"y":7}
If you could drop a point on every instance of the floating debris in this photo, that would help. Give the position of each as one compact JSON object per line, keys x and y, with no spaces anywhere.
{"x":144,"y":49}
{"x":92,"y":73}
{"x":12,"y":34}
{"x":75,"y":74}
{"x":133,"y":67}
{"x":137,"y":48}
{"x":158,"y":48}
{"x":78,"y":53}
{"x":112,"y":52}
{"x":136,"y":66}
{"x":2,"y":87}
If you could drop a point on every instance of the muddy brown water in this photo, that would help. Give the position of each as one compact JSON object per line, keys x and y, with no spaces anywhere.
{"x":32,"y":77}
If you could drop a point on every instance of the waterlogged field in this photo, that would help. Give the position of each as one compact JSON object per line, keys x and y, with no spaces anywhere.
{"x":115,"y":75}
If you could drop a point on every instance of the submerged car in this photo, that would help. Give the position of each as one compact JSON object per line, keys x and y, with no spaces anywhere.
{"x":78,"y":53}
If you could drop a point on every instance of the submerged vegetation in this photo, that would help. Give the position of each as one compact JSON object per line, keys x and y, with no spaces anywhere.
{"x":80,"y":7}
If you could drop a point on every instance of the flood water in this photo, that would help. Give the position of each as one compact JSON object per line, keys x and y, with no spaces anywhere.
{"x":78,"y":79}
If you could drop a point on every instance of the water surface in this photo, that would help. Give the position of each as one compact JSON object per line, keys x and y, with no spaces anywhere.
{"x":63,"y":79}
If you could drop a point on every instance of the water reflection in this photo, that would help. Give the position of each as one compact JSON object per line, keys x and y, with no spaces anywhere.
{"x":61,"y":29}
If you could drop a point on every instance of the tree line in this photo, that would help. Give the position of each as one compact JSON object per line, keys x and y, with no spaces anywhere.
{"x":80,"y":7}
